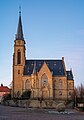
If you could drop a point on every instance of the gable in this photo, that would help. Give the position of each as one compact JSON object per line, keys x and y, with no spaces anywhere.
{"x":44,"y":70}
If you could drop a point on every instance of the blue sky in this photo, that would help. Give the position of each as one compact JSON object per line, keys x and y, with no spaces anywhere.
{"x":52,"y":29}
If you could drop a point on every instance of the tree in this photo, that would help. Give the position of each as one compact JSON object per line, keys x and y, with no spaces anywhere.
{"x":79,"y":93}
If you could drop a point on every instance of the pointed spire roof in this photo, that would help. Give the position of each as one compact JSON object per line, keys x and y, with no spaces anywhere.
{"x":34,"y":68}
{"x":19,"y":35}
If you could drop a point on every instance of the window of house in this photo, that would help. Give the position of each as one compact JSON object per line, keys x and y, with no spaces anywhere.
{"x":22,"y":84}
{"x":54,"y":85}
{"x":70,"y":93}
{"x":44,"y":80}
{"x":34,"y":83}
{"x":60,"y":84}
{"x":69,"y":85}
{"x":18,"y":57}
{"x":54,"y":64}
{"x":60,"y":93}
{"x":28,"y":84}
{"x":18,"y":72}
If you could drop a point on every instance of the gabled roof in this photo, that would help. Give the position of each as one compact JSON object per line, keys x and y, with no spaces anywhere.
{"x":69,"y":75}
{"x":55,"y":66}
{"x":4,"y":89}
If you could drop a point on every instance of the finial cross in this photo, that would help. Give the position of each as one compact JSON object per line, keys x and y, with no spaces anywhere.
{"x":19,"y":10}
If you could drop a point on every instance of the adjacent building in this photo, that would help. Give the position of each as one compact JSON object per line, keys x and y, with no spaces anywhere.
{"x":4,"y":90}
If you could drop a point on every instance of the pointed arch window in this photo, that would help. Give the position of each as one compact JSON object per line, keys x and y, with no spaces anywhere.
{"x":18,"y":72}
{"x":22,"y":84}
{"x":54,"y":85}
{"x":27,"y":84}
{"x":60,"y":84}
{"x":34,"y":83}
{"x":44,"y":80}
{"x":18,"y":57}
{"x":70,"y":93}
{"x":69,"y":85}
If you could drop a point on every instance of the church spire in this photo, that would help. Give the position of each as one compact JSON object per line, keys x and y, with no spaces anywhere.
{"x":34,"y":69}
{"x":19,"y":35}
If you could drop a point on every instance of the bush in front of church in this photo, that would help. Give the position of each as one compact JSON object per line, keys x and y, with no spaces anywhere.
{"x":26,"y":94}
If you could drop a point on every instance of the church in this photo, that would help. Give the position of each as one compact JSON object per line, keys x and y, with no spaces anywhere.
{"x":45,"y":78}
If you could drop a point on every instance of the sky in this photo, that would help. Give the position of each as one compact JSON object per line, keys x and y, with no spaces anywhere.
{"x":52,"y":29}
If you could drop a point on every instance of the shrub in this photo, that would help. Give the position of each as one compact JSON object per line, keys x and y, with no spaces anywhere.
{"x":81,"y":109}
{"x":26,"y":94}
{"x":6,"y":97}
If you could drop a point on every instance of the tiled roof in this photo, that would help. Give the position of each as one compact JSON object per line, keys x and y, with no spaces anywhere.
{"x":55,"y":66}
{"x":69,"y":75}
{"x":4,"y":89}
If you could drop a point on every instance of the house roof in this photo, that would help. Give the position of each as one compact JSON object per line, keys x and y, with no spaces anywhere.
{"x":55,"y":66}
{"x":4,"y":89}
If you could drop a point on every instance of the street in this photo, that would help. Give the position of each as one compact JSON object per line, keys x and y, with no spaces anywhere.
{"x":16,"y":113}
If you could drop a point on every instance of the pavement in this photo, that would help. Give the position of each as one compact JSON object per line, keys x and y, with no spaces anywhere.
{"x":17,"y":113}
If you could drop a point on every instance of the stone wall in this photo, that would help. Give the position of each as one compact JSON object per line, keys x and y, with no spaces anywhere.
{"x":33,"y":103}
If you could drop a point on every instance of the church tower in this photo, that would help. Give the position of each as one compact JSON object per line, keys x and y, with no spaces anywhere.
{"x":18,"y":59}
